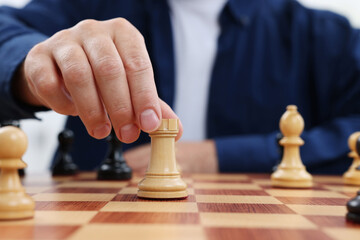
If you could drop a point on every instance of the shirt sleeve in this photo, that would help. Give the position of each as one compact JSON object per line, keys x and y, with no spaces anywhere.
{"x":247,"y":153}
{"x":336,"y":83}
{"x":20,"y":30}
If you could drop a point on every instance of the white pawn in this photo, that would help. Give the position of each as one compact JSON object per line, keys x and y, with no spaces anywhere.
{"x":291,"y":173}
{"x":14,"y":202}
{"x":352,"y":175}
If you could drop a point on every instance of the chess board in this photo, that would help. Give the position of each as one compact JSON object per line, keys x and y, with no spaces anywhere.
{"x":219,"y":206}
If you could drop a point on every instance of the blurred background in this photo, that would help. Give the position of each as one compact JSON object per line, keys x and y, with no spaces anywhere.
{"x":43,"y":134}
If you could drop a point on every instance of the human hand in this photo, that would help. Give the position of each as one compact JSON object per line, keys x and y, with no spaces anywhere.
{"x":199,"y":157}
{"x":138,"y":158}
{"x":190,"y":156}
{"x":99,"y":71}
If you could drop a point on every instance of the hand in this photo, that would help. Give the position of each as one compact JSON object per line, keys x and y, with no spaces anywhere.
{"x":190,"y":156}
{"x":99,"y":71}
{"x":138,"y":158}
{"x":199,"y":157}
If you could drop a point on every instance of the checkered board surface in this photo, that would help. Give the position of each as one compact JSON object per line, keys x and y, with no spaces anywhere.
{"x":219,"y":206}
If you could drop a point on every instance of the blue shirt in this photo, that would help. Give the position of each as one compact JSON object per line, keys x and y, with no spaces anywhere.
{"x":271,"y":53}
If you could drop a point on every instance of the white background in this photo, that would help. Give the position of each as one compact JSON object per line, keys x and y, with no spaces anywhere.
{"x":43,"y":134}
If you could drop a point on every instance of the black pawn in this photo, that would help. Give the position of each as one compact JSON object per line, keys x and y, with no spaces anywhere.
{"x":64,"y":165}
{"x":14,"y":123}
{"x":280,"y":150}
{"x":353,"y":207}
{"x":114,"y":166}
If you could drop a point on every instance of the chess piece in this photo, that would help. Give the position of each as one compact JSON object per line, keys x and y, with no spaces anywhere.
{"x":14,"y":202}
{"x":64,"y":165}
{"x":353,"y":207}
{"x":114,"y":167}
{"x":14,"y":123}
{"x":291,"y":172}
{"x":280,"y":149}
{"x":162,"y":179}
{"x":352,"y":175}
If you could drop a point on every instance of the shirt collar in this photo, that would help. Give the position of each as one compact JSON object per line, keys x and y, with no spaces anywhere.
{"x":243,"y":10}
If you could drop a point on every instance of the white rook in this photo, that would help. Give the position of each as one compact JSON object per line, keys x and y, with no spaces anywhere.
{"x":162,"y":178}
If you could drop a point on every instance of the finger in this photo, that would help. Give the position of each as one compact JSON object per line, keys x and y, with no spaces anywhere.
{"x":111,"y":81}
{"x":79,"y":81}
{"x":45,"y":82}
{"x":139,"y":73}
{"x":168,"y":113}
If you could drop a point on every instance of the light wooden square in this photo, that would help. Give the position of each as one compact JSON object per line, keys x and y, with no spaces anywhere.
{"x":139,"y":231}
{"x":257,"y":220}
{"x":318,"y":210}
{"x":264,"y":182}
{"x":235,"y":177}
{"x":73,"y":197}
{"x":128,"y":190}
{"x":232,"y":186}
{"x":343,"y":233}
{"x":55,"y":218}
{"x":237,"y":199}
{"x":344,"y":188}
{"x":150,"y":207}
{"x":95,"y":184}
{"x":304,"y":193}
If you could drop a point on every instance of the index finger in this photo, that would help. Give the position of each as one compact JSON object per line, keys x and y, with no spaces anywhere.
{"x":140,"y":77}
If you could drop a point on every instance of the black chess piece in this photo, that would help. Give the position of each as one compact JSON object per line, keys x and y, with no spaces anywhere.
{"x":14,"y":123}
{"x":353,"y":207}
{"x":114,"y":166}
{"x":280,"y":149}
{"x":64,"y":165}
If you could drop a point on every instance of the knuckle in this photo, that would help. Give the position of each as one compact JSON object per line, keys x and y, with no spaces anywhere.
{"x":131,"y":31}
{"x":39,"y":77}
{"x":65,"y":109}
{"x":138,"y":37}
{"x":67,"y":54}
{"x":122,"y":112}
{"x":76,"y":73}
{"x":137,"y":64}
{"x":121,"y":23}
{"x":109,"y":68}
{"x":60,"y":36}
{"x":35,"y":72}
{"x":146,"y":95}
{"x":87,"y":24}
{"x":37,"y":49}
{"x":45,"y":88}
{"x":92,"y":116}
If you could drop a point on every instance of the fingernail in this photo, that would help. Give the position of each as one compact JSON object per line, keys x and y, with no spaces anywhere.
{"x":149,"y":120}
{"x":101,"y":131}
{"x":127,"y":132}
